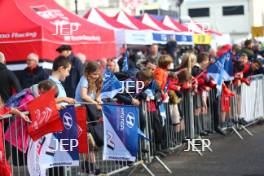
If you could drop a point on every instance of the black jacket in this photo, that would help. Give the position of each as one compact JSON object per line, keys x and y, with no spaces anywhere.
{"x":73,"y":79}
{"x":28,"y":78}
{"x":155,"y":89}
{"x":124,"y":97}
{"x":196,"y":70}
{"x":8,"y":80}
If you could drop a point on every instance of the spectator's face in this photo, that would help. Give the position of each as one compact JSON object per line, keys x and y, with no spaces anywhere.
{"x":31,"y":63}
{"x":151,"y":66}
{"x":250,"y":45}
{"x":64,"y":72}
{"x":205,"y":63}
{"x":65,"y":53}
{"x":234,"y":51}
{"x":212,"y":53}
{"x":154,"y":50}
{"x":111,"y":65}
{"x":243,"y":59}
{"x":95,"y":75}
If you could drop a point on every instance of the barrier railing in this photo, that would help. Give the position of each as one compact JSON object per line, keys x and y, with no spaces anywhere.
{"x":193,"y":116}
{"x":252,"y":99}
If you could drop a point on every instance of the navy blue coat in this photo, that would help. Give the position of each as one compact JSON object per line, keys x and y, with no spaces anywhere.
{"x":28,"y":78}
{"x":73,"y":79}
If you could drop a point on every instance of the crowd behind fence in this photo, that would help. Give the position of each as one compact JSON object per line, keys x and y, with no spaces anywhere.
{"x":166,"y":133}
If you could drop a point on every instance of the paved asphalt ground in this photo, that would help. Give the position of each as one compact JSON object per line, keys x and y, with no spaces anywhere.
{"x":230,"y":157}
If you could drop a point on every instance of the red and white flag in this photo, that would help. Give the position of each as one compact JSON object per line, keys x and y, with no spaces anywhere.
{"x":44,"y":116}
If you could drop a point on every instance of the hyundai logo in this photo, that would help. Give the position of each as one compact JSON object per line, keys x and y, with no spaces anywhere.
{"x":67,"y":120}
{"x":130,"y":119}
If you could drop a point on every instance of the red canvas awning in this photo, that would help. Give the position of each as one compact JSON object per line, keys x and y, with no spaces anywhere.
{"x":125,"y":19}
{"x":95,"y":15}
{"x":168,"y":21}
{"x":41,"y":26}
{"x":154,"y":23}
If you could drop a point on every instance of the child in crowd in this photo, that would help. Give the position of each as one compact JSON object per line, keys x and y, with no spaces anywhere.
{"x":60,"y":70}
{"x":90,"y":85}
{"x":148,"y":64}
{"x":161,"y":73}
{"x":112,"y":65}
{"x":175,"y":90}
{"x":201,"y":95}
{"x":151,"y":95}
{"x":89,"y":91}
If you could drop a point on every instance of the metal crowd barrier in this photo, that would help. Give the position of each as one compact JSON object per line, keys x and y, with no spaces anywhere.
{"x":16,"y":158}
{"x":252,"y":99}
{"x":246,"y":107}
{"x":165,"y":134}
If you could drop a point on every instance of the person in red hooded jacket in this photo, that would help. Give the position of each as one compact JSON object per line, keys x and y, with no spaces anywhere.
{"x":177,"y":84}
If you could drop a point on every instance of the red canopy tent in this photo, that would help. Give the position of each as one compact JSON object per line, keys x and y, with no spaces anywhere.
{"x":125,"y":19}
{"x":154,"y":23}
{"x":106,"y":19}
{"x":168,"y":21}
{"x":41,"y":26}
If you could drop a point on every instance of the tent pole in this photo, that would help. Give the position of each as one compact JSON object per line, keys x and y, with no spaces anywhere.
{"x":76,"y":7}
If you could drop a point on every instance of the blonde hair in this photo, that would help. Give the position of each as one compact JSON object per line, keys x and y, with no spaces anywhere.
{"x":188,"y":61}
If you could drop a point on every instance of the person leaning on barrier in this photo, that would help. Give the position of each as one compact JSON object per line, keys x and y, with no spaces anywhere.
{"x":152,"y":95}
{"x":253,"y":68}
{"x":256,"y":67}
{"x":124,"y":97}
{"x":200,"y":97}
{"x":60,"y":71}
{"x":20,"y":101}
{"x":46,"y":85}
{"x":237,"y":82}
{"x":88,"y":90}
{"x":90,"y":85}
{"x":175,"y":94}
{"x":76,"y":71}
{"x":161,"y":73}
